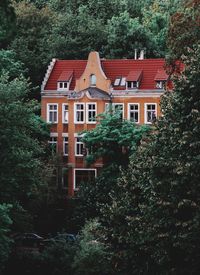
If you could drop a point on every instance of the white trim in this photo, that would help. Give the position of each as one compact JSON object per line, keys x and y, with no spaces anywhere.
{"x":75,"y":110}
{"x":63,"y":110}
{"x":128,"y":114}
{"x":145,"y":111}
{"x":64,"y":142}
{"x":138,"y":95}
{"x":78,"y":135}
{"x":62,"y":88}
{"x":53,"y":134}
{"x":48,"y":72}
{"x":47,"y":114}
{"x":86,"y":169}
{"x":87,"y":111}
{"x":65,"y":135}
{"x":132,"y":88}
{"x":78,"y":143}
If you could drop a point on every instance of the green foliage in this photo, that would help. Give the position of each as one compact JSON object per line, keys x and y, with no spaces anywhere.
{"x":112,"y":140}
{"x":22,"y":137}
{"x":93,"y":256}
{"x":57,"y":258}
{"x":10,"y":64}
{"x":126,"y":34}
{"x":5,"y":241}
{"x":184,"y":29}
{"x":30,"y":43}
{"x":159,"y":200}
{"x":7,"y":23}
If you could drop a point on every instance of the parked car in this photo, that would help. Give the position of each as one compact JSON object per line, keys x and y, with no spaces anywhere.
{"x":60,"y":237}
{"x":27,"y":240}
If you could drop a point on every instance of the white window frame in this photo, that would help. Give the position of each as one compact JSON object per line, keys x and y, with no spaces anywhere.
{"x":86,"y":169}
{"x":63,"y":113}
{"x":88,"y":110}
{"x":133,"y":111}
{"x":132,"y":87}
{"x":93,"y":80}
{"x":61,"y":87}
{"x":78,"y":143}
{"x":75,"y":112}
{"x":160,"y":84}
{"x":145,"y":112}
{"x":113,"y":107}
{"x":54,"y":135}
{"x":65,"y":136}
{"x":55,"y":111}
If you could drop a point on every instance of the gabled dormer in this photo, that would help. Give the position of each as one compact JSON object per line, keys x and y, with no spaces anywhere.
{"x":133,"y":80}
{"x":160,"y":79}
{"x":64,"y":80}
{"x":93,"y":75}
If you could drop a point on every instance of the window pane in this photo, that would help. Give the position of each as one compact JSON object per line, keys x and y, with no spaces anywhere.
{"x":83,"y":176}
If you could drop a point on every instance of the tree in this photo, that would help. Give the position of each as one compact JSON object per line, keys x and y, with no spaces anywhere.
{"x":9,"y":63}
{"x":34,"y":26}
{"x":159,"y":201}
{"x":126,"y":34}
{"x":77,"y":34}
{"x":7,"y":23}
{"x":184,"y":29}
{"x":22,"y":141}
{"x":5,"y":242}
{"x":113,"y":140}
{"x":92,"y":256}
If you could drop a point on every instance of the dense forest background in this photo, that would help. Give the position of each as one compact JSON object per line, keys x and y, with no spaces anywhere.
{"x":141,"y":215}
{"x":35,"y":31}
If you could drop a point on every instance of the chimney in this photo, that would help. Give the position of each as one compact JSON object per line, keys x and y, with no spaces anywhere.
{"x":141,"y":55}
{"x":135,"y":54}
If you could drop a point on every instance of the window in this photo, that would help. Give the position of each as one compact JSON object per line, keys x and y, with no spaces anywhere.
{"x":132,"y":84}
{"x":83,"y":176}
{"x":62,"y":86}
{"x":117,"y":81}
{"x":53,"y":143}
{"x":79,"y":147}
{"x":115,"y":107}
{"x":52,"y":113}
{"x":120,"y":81}
{"x":65,"y":146}
{"x":91,"y":112}
{"x":79,"y":113}
{"x":150,"y":112}
{"x":133,"y":112}
{"x":93,"y":80}
{"x":65,"y":177}
{"x":160,"y":84}
{"x":65,"y":113}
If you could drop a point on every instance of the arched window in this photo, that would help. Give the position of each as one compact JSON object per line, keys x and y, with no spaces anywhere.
{"x":93,"y":80}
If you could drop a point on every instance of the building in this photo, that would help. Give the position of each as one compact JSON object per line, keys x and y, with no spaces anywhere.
{"x":75,"y":91}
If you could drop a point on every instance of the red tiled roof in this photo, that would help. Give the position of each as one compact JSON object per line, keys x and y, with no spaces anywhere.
{"x":134,"y":75}
{"x":161,"y":75}
{"x":112,"y":69}
{"x":65,"y":76}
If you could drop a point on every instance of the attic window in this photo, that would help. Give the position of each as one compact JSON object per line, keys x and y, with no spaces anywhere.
{"x":133,"y":79}
{"x":63,"y":85}
{"x":120,"y":81}
{"x":93,"y":80}
{"x":160,"y":84}
{"x":132,"y":84}
{"x":161,"y":78}
{"x":64,"y":80}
